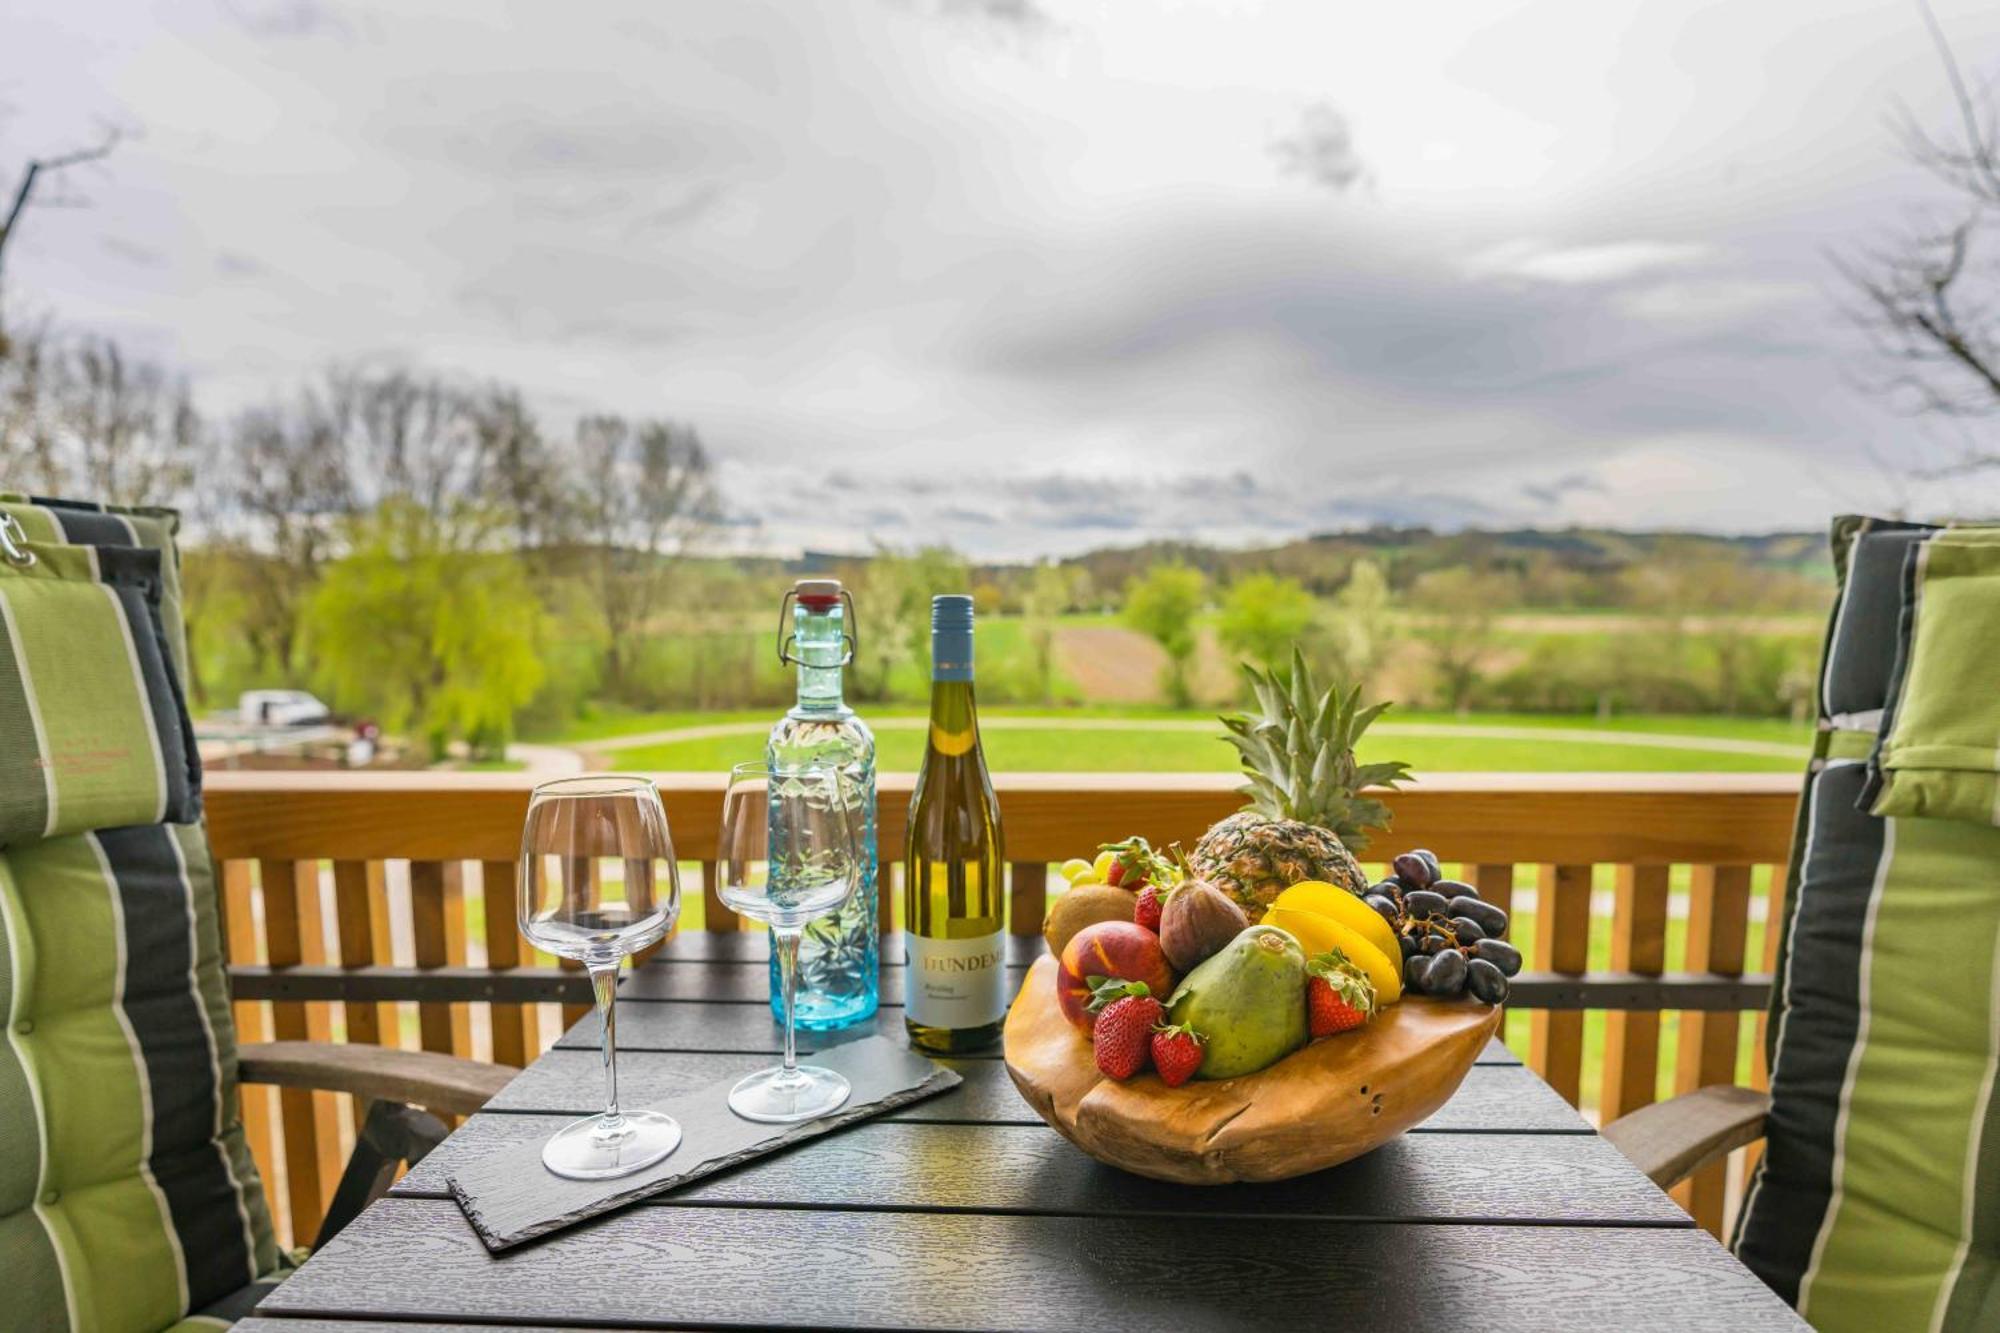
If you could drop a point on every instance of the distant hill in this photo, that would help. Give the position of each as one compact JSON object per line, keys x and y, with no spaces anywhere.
{"x":1322,"y":562}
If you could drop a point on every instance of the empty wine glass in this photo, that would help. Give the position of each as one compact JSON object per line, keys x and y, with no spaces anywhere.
{"x":598,"y":882}
{"x":789,"y":852}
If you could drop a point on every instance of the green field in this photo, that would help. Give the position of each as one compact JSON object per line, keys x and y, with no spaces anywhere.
{"x":1108,"y":739}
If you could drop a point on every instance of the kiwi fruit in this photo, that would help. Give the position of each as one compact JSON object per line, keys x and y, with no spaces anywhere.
{"x":1086,"y":905}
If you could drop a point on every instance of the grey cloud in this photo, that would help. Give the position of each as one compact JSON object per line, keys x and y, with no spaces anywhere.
{"x":132,"y":252}
{"x":1321,"y":148}
{"x":1570,"y":483}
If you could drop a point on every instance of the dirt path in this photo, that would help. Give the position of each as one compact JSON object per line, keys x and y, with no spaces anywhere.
{"x":542,"y":762}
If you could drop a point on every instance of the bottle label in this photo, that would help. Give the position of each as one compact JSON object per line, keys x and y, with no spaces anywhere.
{"x":957,"y":983}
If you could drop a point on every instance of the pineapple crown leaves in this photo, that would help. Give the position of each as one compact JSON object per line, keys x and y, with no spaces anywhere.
{"x":1349,"y":982}
{"x":1105,"y":990}
{"x":1297,"y":751}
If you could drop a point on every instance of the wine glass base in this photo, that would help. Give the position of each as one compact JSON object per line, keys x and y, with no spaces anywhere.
{"x":583,"y":1151}
{"x":774,"y":1097}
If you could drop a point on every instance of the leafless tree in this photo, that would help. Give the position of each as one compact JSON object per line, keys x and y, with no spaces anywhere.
{"x":643,"y":490}
{"x":33,"y":174}
{"x":1931,"y":298}
{"x":284,"y":485}
{"x":80,"y":416}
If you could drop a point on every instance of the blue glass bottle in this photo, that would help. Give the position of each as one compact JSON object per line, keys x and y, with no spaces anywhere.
{"x":840,"y":975}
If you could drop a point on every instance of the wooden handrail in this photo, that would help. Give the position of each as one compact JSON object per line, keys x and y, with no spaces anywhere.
{"x":1547,"y":818}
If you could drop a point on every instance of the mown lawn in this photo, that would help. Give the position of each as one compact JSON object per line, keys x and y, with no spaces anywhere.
{"x":1034,"y":750}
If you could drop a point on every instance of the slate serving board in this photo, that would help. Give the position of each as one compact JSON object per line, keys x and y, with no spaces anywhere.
{"x":511,"y":1198}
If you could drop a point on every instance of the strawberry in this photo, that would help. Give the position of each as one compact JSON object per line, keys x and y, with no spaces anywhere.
{"x":1127,"y":1013}
{"x":1135,"y":864}
{"x":1151,"y":903}
{"x":1177,"y":1053}
{"x":1339,"y":995}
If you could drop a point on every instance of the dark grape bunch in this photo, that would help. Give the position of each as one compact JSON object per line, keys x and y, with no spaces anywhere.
{"x":1453,"y":941}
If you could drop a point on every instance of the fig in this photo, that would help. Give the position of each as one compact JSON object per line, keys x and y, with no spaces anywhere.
{"x":1198,"y":920}
{"x":1085,"y":905}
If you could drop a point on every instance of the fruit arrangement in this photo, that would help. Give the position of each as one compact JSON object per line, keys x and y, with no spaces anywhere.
{"x":1260,"y":975}
{"x":1451,"y":941}
{"x":1267,"y":936}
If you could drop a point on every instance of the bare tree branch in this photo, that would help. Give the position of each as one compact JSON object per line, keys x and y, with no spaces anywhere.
{"x":1930,"y":301}
{"x":24,"y":191}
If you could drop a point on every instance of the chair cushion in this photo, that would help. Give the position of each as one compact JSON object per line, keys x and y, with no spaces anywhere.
{"x":1939,"y":751}
{"x":83,"y":523}
{"x":1876,"y":1203}
{"x":93,"y":733}
{"x":128,"y":1197}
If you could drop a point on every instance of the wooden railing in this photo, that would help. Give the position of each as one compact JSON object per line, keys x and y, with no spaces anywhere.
{"x":380,"y":908}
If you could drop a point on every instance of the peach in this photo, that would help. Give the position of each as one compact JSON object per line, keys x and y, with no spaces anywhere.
{"x":1119,"y":949}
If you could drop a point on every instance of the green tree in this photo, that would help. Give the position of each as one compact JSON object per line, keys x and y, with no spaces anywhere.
{"x":427,"y":638}
{"x":1461,"y":602}
{"x":1264,"y":617}
{"x":1361,"y":622}
{"x":1161,"y":604}
{"x":1050,"y":587}
{"x":894,"y":605}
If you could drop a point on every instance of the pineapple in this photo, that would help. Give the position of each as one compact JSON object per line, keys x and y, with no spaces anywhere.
{"x":1306,"y":810}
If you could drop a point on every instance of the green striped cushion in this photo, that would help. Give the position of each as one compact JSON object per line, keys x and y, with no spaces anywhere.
{"x":93,"y":733}
{"x":1939,"y":754}
{"x":127,"y":1195}
{"x":1876,"y":1204}
{"x":128,"y":1200}
{"x":82,"y":523}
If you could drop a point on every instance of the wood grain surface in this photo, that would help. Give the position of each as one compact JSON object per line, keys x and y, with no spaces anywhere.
{"x":1501,"y":1211}
{"x":1026,"y":1169}
{"x":1495,"y":1098}
{"x":725,"y":1266}
{"x":1496,"y":818}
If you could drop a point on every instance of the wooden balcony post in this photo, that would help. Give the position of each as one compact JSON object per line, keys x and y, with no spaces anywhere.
{"x":1718,"y":916}
{"x":1632,"y":1037}
{"x":1562,"y":944}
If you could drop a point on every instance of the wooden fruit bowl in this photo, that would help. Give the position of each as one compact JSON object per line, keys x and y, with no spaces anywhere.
{"x":1333,"y":1100}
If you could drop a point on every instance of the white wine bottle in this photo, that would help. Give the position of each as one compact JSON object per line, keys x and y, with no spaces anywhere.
{"x":953,"y":893}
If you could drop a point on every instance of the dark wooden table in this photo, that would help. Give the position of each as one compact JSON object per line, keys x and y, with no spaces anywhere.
{"x":1503,"y":1211}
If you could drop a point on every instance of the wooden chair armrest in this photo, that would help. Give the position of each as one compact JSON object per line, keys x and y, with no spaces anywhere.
{"x":1672,"y":1140}
{"x":436,"y":1082}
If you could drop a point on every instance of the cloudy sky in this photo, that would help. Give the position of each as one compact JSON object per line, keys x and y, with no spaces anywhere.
{"x":1034,"y":275}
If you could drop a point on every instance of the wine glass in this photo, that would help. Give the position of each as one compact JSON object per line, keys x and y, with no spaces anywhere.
{"x":598,"y":882}
{"x":789,"y":852}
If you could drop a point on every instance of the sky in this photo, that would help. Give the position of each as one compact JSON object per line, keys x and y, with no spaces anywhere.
{"x":1036,"y":276}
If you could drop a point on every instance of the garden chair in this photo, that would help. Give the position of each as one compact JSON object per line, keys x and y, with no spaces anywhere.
{"x":1876,"y":1202}
{"x":128,"y":1197}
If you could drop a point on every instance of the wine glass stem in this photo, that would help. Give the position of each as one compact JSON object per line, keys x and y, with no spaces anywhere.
{"x":786,"y":942}
{"x":604,"y":981}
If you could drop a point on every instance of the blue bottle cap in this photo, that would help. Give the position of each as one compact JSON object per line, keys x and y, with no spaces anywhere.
{"x":951,"y":637}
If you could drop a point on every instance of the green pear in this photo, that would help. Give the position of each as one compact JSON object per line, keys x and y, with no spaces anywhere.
{"x":1248,"y":1002}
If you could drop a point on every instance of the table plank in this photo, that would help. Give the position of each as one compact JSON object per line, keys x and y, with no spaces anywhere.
{"x":659,"y":1266}
{"x":744,"y":983}
{"x":573,"y":1081}
{"x":1505,"y":1099}
{"x":1576,"y":1178}
{"x":285,"y":1324}
{"x":754,"y":946}
{"x":706,"y":1025}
